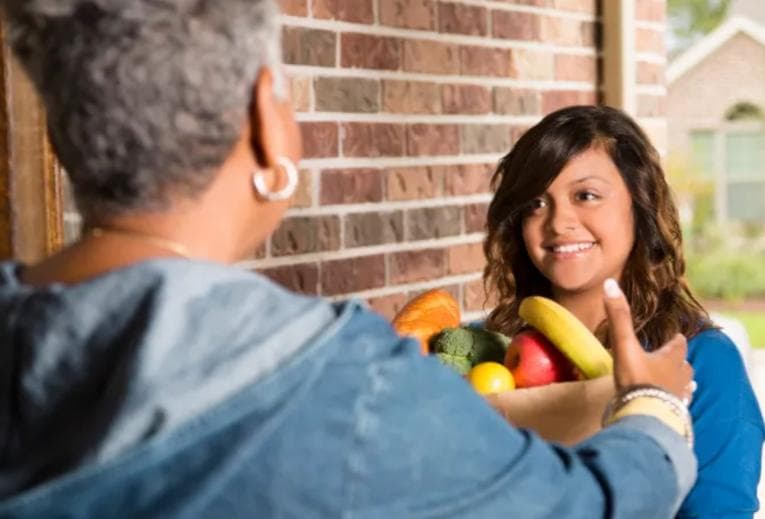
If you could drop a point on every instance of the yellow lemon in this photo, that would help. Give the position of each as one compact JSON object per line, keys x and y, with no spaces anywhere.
{"x":490,"y":377}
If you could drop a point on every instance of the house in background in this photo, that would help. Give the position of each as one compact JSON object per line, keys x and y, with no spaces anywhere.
{"x":716,"y":113}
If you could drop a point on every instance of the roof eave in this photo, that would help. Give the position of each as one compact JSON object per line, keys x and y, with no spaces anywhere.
{"x":711,"y":42}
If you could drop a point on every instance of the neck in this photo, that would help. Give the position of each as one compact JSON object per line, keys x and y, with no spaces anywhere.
{"x":151,"y":240}
{"x":200,"y":233}
{"x":202,"y":236}
{"x":218,"y":225}
{"x":587,"y":306}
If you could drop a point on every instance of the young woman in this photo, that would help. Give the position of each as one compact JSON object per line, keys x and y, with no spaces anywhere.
{"x":582,"y":198}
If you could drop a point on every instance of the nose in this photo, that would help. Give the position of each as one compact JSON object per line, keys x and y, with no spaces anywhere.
{"x":561,"y":219}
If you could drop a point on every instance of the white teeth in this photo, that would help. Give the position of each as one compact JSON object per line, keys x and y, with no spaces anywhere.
{"x":573,"y":247}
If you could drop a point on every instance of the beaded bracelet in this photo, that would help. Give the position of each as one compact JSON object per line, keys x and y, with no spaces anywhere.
{"x":670,"y":401}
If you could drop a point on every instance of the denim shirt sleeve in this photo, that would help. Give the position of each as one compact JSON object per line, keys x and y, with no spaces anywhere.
{"x":359,"y":424}
{"x":675,"y":447}
{"x":426,"y":444}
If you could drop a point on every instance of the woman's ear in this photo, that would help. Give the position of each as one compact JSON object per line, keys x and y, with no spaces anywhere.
{"x":274,"y":132}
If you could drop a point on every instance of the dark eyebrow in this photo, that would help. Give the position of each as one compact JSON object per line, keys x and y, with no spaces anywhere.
{"x":589,"y":177}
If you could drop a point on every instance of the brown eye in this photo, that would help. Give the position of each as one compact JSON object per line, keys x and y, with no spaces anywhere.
{"x":587,"y":196}
{"x":536,"y":205}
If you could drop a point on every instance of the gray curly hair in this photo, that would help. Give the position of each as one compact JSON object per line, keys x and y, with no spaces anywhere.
{"x":145,"y":98}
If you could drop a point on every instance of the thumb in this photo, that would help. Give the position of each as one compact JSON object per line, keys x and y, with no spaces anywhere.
{"x":620,"y":327}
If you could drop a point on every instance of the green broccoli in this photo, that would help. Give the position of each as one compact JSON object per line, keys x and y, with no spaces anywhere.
{"x":459,"y":364}
{"x":464,"y":347}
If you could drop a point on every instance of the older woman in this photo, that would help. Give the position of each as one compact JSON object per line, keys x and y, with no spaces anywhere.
{"x":141,"y":376}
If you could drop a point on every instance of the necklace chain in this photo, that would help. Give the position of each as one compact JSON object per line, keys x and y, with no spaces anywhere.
{"x":163,"y":243}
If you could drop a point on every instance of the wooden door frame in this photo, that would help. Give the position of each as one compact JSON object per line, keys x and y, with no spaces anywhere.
{"x":619,"y":55}
{"x":31,"y":222}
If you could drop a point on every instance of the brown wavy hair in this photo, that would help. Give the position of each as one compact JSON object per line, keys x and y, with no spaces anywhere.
{"x":654,"y":276}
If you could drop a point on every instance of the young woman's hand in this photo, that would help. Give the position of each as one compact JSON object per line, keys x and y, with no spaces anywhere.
{"x":665,"y":367}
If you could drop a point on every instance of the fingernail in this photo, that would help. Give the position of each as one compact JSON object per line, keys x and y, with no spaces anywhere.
{"x":611,"y":288}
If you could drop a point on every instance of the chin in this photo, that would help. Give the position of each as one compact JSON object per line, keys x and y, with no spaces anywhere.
{"x":574,"y":286}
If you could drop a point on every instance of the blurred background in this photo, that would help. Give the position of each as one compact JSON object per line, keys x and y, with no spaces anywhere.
{"x":716,"y":151}
{"x":716,"y":162}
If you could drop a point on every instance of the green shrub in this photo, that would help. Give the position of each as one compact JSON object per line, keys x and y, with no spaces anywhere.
{"x":703,"y":211}
{"x":733,"y":275}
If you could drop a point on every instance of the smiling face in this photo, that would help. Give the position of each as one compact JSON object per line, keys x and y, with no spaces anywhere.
{"x":581,"y":230}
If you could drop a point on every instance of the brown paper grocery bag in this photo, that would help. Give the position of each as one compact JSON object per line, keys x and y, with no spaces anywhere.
{"x":566,"y":412}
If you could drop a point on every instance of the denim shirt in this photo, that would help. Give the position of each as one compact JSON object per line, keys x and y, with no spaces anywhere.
{"x":184,"y":389}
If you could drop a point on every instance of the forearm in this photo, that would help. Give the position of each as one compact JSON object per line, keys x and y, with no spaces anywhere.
{"x":625,"y":456}
{"x":466,"y":461}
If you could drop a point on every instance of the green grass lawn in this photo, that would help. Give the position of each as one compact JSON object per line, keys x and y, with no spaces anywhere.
{"x":753,"y":321}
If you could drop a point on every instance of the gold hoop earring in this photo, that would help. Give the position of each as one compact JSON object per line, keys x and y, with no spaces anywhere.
{"x":282,"y":163}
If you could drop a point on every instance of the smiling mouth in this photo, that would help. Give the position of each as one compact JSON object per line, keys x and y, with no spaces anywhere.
{"x":571,"y":248}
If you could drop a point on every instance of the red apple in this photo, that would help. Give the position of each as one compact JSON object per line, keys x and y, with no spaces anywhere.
{"x":535,"y":361}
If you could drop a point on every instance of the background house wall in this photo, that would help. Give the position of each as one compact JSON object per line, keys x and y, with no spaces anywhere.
{"x":716,"y":118}
{"x":700,"y":98}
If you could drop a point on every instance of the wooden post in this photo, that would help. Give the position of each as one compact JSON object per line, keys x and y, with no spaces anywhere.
{"x":619,"y":74}
{"x":30,"y":189}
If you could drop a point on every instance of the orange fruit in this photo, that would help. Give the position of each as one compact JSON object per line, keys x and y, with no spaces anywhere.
{"x":490,"y":377}
{"x":426,"y":315}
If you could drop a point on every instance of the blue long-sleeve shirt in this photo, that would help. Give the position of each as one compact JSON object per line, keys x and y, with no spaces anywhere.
{"x":729,"y":431}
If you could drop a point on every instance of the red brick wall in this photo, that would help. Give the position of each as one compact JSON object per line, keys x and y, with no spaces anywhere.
{"x":405,"y":106}
{"x":651,"y":63}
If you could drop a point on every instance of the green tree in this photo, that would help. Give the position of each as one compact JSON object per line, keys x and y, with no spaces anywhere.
{"x":689,"y":20}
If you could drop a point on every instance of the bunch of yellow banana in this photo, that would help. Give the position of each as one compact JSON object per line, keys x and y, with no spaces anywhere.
{"x":568,"y":334}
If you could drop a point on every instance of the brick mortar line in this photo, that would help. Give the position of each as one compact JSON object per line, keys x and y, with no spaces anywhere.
{"x":362,"y":252}
{"x":387,"y":267}
{"x":418,"y":285}
{"x":451,"y":38}
{"x":341,"y":236}
{"x":463,"y":222}
{"x":401,"y":119}
{"x":558,"y":13}
{"x":388,"y":205}
{"x":651,"y":57}
{"x":651,"y":25}
{"x":344,"y":209}
{"x":654,"y":90}
{"x":489,"y":5}
{"x":315,"y":188}
{"x":406,"y":234}
{"x":374,"y":74}
{"x":399,"y":162}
